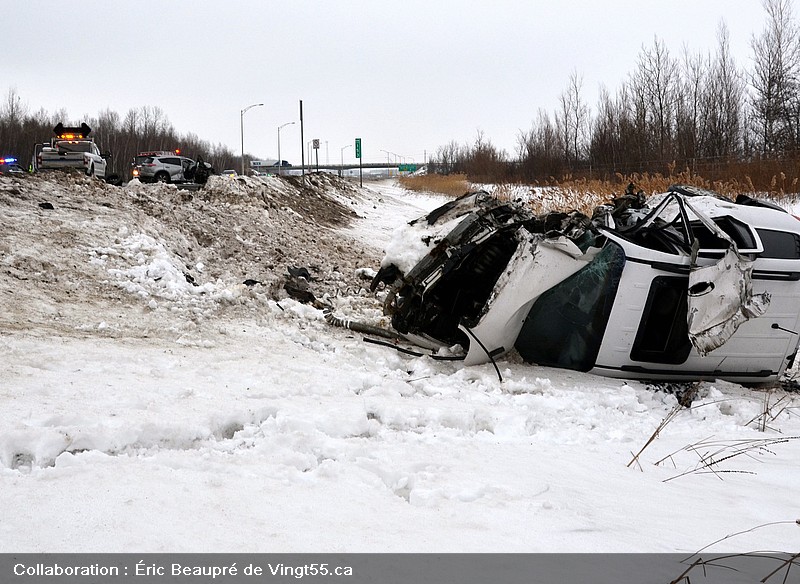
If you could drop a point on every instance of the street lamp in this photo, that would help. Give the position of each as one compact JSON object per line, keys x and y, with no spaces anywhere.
{"x":388,"y":163}
{"x":341,"y":168}
{"x":280,"y":162}
{"x":241,"y":125}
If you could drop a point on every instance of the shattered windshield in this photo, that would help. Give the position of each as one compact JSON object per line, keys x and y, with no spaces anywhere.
{"x":565,"y":326}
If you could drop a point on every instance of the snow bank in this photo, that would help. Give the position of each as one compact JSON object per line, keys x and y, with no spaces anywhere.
{"x":216,"y":416}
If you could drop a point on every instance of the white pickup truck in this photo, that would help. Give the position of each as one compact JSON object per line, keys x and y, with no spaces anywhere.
{"x":71,"y":148}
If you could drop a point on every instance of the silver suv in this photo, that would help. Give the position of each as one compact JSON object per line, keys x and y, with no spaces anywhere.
{"x":161,"y":168}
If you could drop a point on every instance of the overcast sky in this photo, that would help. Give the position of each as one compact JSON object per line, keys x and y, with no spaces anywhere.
{"x":405,"y":76}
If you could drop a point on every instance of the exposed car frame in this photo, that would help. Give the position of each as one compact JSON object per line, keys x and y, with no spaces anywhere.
{"x":684,"y":286}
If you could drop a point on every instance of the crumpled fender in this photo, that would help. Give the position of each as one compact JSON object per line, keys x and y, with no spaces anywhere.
{"x":720,"y":300}
{"x":720,"y":295}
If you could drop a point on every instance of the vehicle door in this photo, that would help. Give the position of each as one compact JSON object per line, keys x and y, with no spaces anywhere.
{"x":172,"y":164}
{"x":100,"y":163}
{"x":186,"y":165}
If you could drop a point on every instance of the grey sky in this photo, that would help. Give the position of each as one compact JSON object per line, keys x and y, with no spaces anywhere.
{"x":406,"y":76}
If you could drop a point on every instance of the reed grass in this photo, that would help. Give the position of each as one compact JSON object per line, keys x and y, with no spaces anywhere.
{"x":453,"y":185}
{"x":584,"y":194}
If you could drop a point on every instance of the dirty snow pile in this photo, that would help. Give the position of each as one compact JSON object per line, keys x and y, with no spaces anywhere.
{"x":162,"y":393}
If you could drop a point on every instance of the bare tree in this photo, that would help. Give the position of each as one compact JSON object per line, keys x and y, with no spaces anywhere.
{"x":604,"y":142}
{"x":655,"y":85}
{"x":725,"y":98}
{"x":541,"y":149}
{"x":484,"y":160}
{"x":13,"y":110}
{"x":692,"y":107}
{"x":448,"y":158}
{"x":15,"y":131}
{"x":573,"y":120}
{"x":774,"y":79}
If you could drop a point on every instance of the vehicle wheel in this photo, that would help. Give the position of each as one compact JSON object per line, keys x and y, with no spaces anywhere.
{"x":162,"y":177}
{"x":114,"y":179}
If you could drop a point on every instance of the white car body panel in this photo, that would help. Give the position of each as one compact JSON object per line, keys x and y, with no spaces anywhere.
{"x":662,"y":290}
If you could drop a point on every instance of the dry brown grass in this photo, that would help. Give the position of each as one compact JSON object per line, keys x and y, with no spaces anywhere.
{"x":587,"y":193}
{"x":453,"y":185}
{"x":584,"y":194}
{"x":652,"y":183}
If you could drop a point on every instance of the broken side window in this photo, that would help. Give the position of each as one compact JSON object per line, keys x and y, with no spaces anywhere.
{"x":663,"y":229}
{"x":739,"y":233}
{"x":565,"y":326}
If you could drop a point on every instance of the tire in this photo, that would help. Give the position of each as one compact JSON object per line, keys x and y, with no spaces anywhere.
{"x":162,"y":177}
{"x":114,"y":179}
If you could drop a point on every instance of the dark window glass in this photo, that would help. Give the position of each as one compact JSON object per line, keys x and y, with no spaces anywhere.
{"x":663,"y":335}
{"x":565,"y":326}
{"x":175,"y":161}
{"x":735,"y":229}
{"x":779,"y":244}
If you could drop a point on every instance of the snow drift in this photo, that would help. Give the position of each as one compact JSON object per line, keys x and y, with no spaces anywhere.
{"x":161,"y":393}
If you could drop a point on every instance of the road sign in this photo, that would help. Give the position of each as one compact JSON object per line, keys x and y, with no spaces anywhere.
{"x":358,"y":147}
{"x":407,"y":167}
{"x":315,"y":143}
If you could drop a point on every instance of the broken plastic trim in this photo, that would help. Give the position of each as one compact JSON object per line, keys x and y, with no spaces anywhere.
{"x":413,"y":352}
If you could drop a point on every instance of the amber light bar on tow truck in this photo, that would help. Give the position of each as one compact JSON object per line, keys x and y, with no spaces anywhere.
{"x":63,"y":132}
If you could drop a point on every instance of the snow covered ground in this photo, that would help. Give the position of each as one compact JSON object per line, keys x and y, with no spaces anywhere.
{"x":152,"y":402}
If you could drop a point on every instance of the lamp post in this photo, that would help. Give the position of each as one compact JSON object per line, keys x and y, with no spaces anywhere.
{"x":388,"y":164}
{"x":280,"y":162}
{"x":241,"y":126}
{"x":341,"y":152}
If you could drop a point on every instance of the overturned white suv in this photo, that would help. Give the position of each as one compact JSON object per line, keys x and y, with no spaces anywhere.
{"x":686,"y":285}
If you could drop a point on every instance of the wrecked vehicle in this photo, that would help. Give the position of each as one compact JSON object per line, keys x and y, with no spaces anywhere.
{"x":686,"y":285}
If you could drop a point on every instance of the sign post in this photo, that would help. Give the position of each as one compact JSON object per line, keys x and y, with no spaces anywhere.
{"x":302,"y":147}
{"x":360,"y":167}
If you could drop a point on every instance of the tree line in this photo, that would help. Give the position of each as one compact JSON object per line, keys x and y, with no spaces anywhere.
{"x":145,"y":128}
{"x":697,"y":112}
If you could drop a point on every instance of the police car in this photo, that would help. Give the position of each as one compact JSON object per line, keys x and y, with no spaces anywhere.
{"x":9,"y":165}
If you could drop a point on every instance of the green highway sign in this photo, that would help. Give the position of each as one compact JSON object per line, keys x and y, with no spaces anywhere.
{"x":358,"y":147}
{"x":407,"y":167}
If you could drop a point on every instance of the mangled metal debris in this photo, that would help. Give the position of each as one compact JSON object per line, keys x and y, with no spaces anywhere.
{"x":685,"y":285}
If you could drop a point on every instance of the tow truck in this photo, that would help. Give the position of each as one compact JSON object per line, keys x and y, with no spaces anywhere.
{"x":71,"y":148}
